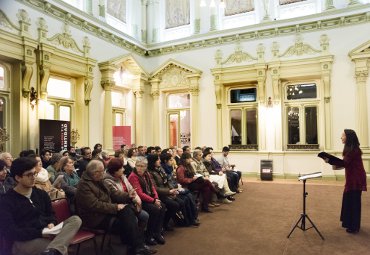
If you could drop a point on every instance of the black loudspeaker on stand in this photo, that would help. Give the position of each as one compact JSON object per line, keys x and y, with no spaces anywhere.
{"x":301,"y":223}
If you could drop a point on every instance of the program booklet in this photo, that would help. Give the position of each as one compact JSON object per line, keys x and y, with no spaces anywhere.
{"x":54,"y":230}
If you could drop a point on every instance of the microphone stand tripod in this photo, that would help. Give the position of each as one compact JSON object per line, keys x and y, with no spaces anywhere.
{"x":302,"y":219}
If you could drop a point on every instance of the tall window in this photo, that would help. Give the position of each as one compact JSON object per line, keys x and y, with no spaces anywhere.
{"x":60,"y":99}
{"x":237,"y":13}
{"x":76,"y":3}
{"x":243,"y":117}
{"x":118,"y":107}
{"x":286,"y":9}
{"x":301,"y":104}
{"x":2,"y":77}
{"x":178,"y":109}
{"x":3,"y":96}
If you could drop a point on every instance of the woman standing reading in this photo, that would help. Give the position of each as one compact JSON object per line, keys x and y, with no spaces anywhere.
{"x":355,"y":180}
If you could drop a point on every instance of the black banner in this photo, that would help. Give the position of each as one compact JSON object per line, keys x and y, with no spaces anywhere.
{"x":55,"y":135}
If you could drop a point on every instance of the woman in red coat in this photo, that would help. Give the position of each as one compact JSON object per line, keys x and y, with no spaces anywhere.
{"x":355,"y":181}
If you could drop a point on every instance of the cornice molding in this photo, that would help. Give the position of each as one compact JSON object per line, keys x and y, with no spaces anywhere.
{"x":88,"y":24}
{"x":100,"y":29}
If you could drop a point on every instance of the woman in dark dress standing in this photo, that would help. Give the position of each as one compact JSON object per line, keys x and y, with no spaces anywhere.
{"x":355,"y":181}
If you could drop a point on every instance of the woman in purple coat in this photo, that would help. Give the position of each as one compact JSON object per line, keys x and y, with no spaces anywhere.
{"x":355,"y":181}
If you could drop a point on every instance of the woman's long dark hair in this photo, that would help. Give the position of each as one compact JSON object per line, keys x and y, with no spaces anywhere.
{"x":351,"y":141}
{"x":152,"y":158}
{"x":188,"y":168}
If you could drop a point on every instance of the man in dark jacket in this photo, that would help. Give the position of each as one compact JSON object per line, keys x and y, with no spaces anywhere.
{"x":26,"y":213}
{"x":94,"y":205}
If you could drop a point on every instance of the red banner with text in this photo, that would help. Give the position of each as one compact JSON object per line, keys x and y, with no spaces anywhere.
{"x":121,"y":135}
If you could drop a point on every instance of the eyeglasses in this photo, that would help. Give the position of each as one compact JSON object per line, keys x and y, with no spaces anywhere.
{"x":29,"y":175}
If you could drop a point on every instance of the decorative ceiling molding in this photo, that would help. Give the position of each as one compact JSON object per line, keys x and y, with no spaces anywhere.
{"x":98,"y":28}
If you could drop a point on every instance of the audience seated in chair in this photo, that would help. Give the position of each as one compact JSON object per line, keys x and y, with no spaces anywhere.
{"x":25,"y":211}
{"x":120,"y":187}
{"x":95,"y":207}
{"x":187,"y":178}
{"x":145,"y":188}
{"x":6,"y":182}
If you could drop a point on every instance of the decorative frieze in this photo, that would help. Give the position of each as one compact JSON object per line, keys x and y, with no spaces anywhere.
{"x":260,"y":31}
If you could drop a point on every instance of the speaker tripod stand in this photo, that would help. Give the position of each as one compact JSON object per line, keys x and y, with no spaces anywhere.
{"x":301,"y":223}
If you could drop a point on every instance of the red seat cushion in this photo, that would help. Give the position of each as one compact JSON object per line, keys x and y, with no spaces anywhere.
{"x":82,"y":236}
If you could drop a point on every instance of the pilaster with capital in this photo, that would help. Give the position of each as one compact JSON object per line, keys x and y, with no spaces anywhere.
{"x":155,"y":94}
{"x":108,"y":116}
{"x":325,"y":79}
{"x":194,"y":91}
{"x":138,"y":111}
{"x":275,"y":75}
{"x":362,"y":75}
{"x":261,"y":78}
{"x":220,"y":127}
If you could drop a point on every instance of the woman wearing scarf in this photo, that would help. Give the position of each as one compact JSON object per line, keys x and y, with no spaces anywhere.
{"x":120,"y":188}
{"x":141,"y":180}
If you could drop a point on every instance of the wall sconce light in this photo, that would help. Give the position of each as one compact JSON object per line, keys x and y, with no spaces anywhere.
{"x":33,"y":97}
{"x":269,"y":102}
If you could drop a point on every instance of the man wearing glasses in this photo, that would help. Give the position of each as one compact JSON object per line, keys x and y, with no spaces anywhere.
{"x":25,"y":211}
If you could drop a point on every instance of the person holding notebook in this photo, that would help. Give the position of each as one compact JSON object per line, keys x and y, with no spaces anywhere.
{"x":355,"y":180}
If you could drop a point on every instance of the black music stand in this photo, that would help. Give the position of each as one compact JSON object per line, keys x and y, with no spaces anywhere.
{"x":302,"y":219}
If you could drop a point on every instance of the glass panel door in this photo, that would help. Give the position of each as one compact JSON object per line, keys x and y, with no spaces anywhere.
{"x":184,"y":128}
{"x":174,"y":128}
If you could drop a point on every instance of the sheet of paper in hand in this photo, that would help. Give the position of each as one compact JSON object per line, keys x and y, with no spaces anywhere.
{"x":54,"y":230}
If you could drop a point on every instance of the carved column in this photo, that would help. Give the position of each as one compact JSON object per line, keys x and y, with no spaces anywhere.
{"x":276,"y":98}
{"x":155,"y":94}
{"x":325,"y":78}
{"x":361,"y":113}
{"x":194,"y":91}
{"x":139,"y":109}
{"x":138,"y":117}
{"x":262,"y":121}
{"x":108,"y":118}
{"x":219,"y":126}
